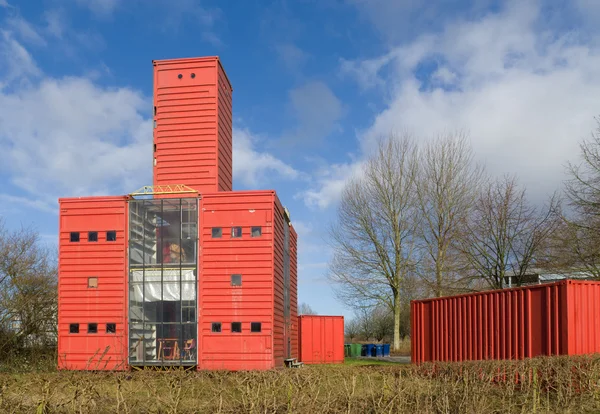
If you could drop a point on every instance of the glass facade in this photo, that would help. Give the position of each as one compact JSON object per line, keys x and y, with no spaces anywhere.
{"x":163,"y":269}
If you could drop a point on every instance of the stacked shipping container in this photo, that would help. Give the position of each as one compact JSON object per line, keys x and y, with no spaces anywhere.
{"x":217,"y":290}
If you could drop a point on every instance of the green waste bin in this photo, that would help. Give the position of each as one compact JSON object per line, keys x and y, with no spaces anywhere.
{"x":346,"y":350}
{"x":355,"y":350}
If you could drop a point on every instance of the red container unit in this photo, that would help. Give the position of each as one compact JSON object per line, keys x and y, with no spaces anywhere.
{"x":247,"y":285}
{"x":551,"y":319}
{"x":321,"y":339}
{"x":192,"y":124}
{"x":92,"y":318}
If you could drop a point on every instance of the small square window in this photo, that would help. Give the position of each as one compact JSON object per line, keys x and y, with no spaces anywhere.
{"x":74,"y":236}
{"x":111,"y":235}
{"x":256,"y":231}
{"x":236,"y":280}
{"x":217,"y":232}
{"x":216,"y":326}
{"x":111,"y":328}
{"x":236,"y":327}
{"x":255,"y":327}
{"x":236,"y":232}
{"x":74,"y":328}
{"x":93,"y":236}
{"x":92,"y":282}
{"x":92,"y":328}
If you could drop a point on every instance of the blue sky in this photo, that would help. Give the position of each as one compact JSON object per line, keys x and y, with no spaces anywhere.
{"x":315,"y":83}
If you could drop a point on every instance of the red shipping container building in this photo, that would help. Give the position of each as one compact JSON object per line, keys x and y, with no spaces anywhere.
{"x":321,"y":339}
{"x":561,"y":318}
{"x":185,"y":272}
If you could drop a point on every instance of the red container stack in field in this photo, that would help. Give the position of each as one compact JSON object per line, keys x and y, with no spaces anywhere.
{"x":321,"y":339}
{"x":192,"y":124}
{"x":561,"y":318}
{"x":185,"y":272}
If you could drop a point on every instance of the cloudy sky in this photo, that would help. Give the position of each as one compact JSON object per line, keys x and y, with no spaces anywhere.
{"x":316,"y":82}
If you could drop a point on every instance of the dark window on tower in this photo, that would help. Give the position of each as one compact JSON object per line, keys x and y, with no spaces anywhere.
{"x":111,"y":235}
{"x":255,"y":327}
{"x":111,"y":328}
{"x":236,"y":280}
{"x":74,"y":328}
{"x":217,"y":232}
{"x":92,"y":328}
{"x":236,"y":232}
{"x":216,"y":326}
{"x":92,"y":236}
{"x":256,"y":231}
{"x":236,"y":327}
{"x":74,"y":236}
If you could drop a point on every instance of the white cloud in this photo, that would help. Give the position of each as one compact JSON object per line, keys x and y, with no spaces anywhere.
{"x":18,"y":64}
{"x":25,"y":31}
{"x":329,"y":185}
{"x":68,"y":136}
{"x":291,"y":56}
{"x":318,"y":112}
{"x":253,"y":168}
{"x":4,"y":3}
{"x":100,"y":7}
{"x":527,"y":96}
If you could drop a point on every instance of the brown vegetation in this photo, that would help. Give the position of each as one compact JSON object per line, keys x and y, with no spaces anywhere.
{"x":545,"y":385}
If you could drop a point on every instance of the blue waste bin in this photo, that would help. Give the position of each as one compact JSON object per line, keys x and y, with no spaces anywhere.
{"x":379,"y":350}
{"x":386,"y":350}
{"x":369,"y":350}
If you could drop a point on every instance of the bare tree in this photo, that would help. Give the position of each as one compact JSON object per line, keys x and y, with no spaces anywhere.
{"x":448,"y":183}
{"x":28,"y":280}
{"x":383,"y":322}
{"x":374,"y":240}
{"x":305,"y":309}
{"x":506,"y":233}
{"x":583,"y":193}
{"x":352,"y":328}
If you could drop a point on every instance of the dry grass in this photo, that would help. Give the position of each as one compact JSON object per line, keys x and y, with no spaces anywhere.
{"x":544,"y":385}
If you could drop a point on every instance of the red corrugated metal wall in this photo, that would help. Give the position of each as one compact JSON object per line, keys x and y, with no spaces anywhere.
{"x":548,"y":319}
{"x":225,"y":125}
{"x":321,"y":339}
{"x":278,"y":294}
{"x":250,"y":257}
{"x":192,"y":131}
{"x":80,"y":304}
{"x":294,"y":290}
{"x":583,"y":318}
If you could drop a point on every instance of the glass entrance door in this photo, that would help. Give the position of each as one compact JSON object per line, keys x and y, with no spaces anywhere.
{"x":163,"y":269}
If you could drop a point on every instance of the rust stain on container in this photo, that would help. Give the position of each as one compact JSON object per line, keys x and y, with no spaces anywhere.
{"x":550,"y":319}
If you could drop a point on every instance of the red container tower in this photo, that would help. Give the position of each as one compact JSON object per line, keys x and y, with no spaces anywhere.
{"x":185,"y":272}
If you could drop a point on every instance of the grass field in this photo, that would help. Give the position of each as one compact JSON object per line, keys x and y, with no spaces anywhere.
{"x":557,"y":385}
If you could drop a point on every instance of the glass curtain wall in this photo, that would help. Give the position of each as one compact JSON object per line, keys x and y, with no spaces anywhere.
{"x":163,"y":268}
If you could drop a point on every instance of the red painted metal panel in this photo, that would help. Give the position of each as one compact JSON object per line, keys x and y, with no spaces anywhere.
{"x":101,"y":305}
{"x":294,"y":290}
{"x":321,"y":339}
{"x":552,"y":319}
{"x":192,"y":124}
{"x":253,"y":301}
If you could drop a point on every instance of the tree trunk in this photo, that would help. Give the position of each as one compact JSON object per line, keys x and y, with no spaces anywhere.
{"x":397,"y":320}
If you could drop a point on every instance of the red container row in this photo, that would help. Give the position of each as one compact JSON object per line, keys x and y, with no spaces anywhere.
{"x":561,"y":318}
